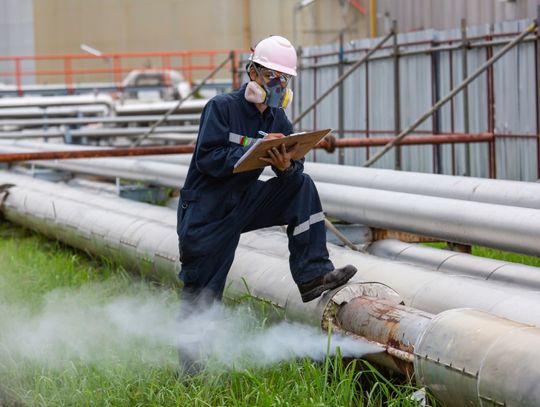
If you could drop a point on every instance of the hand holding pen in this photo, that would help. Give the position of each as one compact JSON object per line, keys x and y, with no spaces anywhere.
{"x":279,"y":157}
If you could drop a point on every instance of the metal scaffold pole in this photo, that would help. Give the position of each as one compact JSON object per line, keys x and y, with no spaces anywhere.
{"x":453,"y":93}
{"x":342,"y":78}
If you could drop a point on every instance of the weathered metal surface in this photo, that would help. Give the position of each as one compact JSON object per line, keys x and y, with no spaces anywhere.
{"x":382,"y":234}
{"x":371,"y":90}
{"x":446,"y":219}
{"x":330,"y":144}
{"x":452,"y":220}
{"x":419,"y":288}
{"x":474,"y":358}
{"x":99,"y":132}
{"x":395,"y":326}
{"x":527,"y":277}
{"x":115,"y":152}
{"x":80,"y":121}
{"x":448,"y":353}
{"x":512,"y":193}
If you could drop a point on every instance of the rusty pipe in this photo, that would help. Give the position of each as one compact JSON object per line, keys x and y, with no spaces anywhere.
{"x":330,"y":143}
{"x":113,"y":152}
{"x":395,"y":327}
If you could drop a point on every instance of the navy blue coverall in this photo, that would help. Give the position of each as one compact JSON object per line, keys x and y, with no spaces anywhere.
{"x":216,"y":206}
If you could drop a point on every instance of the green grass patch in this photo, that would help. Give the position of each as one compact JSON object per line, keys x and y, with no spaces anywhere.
{"x":48,"y":290}
{"x":495,"y":254}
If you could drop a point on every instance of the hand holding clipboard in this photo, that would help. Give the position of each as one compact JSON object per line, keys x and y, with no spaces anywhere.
{"x":305,"y":142}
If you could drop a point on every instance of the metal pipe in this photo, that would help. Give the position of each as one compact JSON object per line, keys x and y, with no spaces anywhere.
{"x":417,"y":287}
{"x":95,"y":132}
{"x":55,"y":111}
{"x":387,"y":323}
{"x":372,"y":18}
{"x":448,"y":97}
{"x":46,"y":101}
{"x":448,"y":219}
{"x":397,"y":93}
{"x":537,"y":93}
{"x":472,"y":358}
{"x":78,"y":121}
{"x":341,"y":99}
{"x":96,"y":221}
{"x":465,"y":70}
{"x":501,"y":192}
{"x":114,"y":152}
{"x":131,"y":109}
{"x":446,"y":261}
{"x":433,"y":49}
{"x":410,"y":140}
{"x":494,"y":361}
{"x":515,"y":229}
{"x":341,"y":79}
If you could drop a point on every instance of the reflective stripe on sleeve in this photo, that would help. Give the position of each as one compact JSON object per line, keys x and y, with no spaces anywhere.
{"x":304,"y":226}
{"x":242,"y":140}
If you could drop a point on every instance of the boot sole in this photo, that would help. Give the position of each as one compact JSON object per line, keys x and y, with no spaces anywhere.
{"x":317,"y":291}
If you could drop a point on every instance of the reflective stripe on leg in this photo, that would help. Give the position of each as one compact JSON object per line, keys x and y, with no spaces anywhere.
{"x":304,"y":226}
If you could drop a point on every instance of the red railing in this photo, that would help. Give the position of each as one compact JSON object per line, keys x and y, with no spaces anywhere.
{"x":68,"y":69}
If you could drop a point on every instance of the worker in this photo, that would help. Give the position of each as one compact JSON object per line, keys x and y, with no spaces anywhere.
{"x":216,"y":206}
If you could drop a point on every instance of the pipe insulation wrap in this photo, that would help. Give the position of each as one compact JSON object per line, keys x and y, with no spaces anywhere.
{"x":503,"y":353}
{"x":107,"y":233}
{"x":527,"y":277}
{"x":495,"y":191}
{"x":476,"y":359}
{"x":501,"y":192}
{"x":502,"y":227}
{"x":515,"y":229}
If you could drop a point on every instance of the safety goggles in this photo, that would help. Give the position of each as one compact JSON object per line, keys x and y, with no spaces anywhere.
{"x":270,"y":75}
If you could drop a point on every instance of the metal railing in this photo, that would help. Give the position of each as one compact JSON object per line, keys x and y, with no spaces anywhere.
{"x":69,"y":69}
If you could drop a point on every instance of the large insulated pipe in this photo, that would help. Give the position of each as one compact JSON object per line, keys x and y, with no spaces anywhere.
{"x":475,"y":359}
{"x":92,"y":153}
{"x":501,"y":192}
{"x":96,"y":219}
{"x":47,"y":101}
{"x":465,"y":357}
{"x":458,"y":263}
{"x":189,"y":106}
{"x":501,"y":227}
{"x":516,"y":229}
{"x":468,"y":370}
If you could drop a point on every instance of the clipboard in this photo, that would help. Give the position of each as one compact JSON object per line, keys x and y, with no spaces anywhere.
{"x":306,"y":141}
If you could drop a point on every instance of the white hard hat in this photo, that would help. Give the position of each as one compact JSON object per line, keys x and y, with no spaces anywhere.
{"x":276,"y":53}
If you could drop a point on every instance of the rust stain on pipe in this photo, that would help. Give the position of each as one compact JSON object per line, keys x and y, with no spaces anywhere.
{"x":328,"y":143}
{"x":331,"y":143}
{"x":114,"y":152}
{"x":392,"y":325}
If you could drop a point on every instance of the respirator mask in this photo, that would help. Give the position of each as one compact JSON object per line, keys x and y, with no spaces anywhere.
{"x":273,"y":93}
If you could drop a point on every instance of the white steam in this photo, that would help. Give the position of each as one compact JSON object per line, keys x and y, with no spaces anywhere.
{"x":143,"y":325}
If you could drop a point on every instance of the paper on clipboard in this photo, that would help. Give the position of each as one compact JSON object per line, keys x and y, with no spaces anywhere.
{"x":306,"y":141}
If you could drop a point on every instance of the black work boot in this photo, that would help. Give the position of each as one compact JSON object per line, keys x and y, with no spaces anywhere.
{"x":337,"y":277}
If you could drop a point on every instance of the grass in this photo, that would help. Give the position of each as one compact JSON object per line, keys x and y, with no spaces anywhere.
{"x":39,"y":277}
{"x":496,"y":254}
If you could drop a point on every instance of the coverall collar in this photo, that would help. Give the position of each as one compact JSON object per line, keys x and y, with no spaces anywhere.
{"x":249,"y":107}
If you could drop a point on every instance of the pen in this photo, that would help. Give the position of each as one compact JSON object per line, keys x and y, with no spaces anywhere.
{"x":263,"y":133}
